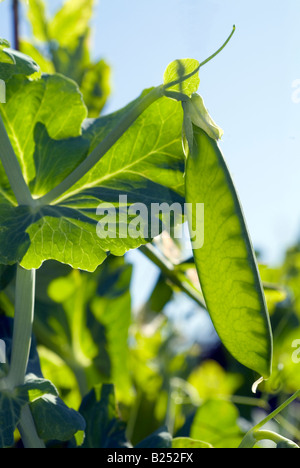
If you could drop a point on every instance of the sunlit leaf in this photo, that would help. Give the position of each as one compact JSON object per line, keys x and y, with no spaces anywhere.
{"x":179,"y":70}
{"x":146,"y":165}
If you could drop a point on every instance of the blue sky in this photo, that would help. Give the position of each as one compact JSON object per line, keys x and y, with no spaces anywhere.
{"x":248,"y":89}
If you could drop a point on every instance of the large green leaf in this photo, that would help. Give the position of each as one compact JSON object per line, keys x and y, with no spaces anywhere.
{"x":226,"y":263}
{"x":146,"y":165}
{"x":53,"y":101}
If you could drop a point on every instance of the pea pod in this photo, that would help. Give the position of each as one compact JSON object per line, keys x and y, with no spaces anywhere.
{"x":226,"y":262}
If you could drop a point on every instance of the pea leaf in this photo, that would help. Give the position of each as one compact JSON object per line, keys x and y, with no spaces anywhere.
{"x":178,"y":70}
{"x":104,"y":429}
{"x":226,"y":262}
{"x":37,"y":387}
{"x":53,"y":101}
{"x":54,"y":420}
{"x":146,"y":165}
{"x":11,"y":405}
{"x":13,"y":63}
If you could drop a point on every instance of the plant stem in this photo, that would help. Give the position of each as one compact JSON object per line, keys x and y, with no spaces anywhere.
{"x":28,"y":432}
{"x":277,"y":438}
{"x":171,"y":412}
{"x":250,"y":438}
{"x":15,"y":11}
{"x":23,"y":320}
{"x":190,"y":75}
{"x":103,"y":147}
{"x":13,"y":170}
{"x":168,"y":270}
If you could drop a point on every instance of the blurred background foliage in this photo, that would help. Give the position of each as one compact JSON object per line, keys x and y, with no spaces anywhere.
{"x":144,"y":371}
{"x":61,"y":44}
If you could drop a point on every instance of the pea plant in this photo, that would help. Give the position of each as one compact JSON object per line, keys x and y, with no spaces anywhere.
{"x":57,"y":168}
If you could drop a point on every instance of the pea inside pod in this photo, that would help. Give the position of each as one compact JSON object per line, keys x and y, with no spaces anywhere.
{"x":226,"y":262}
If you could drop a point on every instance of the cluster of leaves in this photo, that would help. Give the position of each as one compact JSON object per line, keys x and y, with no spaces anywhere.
{"x":133,"y":382}
{"x":61,"y":45}
{"x":164,"y":383}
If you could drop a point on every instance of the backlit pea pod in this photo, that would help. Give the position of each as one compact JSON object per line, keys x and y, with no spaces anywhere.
{"x":226,"y":263}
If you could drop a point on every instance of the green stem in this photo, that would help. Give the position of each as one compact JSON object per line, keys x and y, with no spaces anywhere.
{"x":247,"y":401}
{"x":23,"y":320}
{"x":16,"y":24}
{"x":134,"y":415}
{"x":290,"y":428}
{"x":103,"y":147}
{"x":168,"y":270}
{"x":171,"y":412}
{"x":13,"y":170}
{"x":28,"y":432}
{"x":190,"y":75}
{"x":250,"y":438}
{"x":277,"y":438}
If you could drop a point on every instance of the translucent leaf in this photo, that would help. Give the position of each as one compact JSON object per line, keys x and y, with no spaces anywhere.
{"x":178,"y":71}
{"x":50,"y":140}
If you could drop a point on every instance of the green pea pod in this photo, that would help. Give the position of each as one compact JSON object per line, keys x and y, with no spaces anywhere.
{"x":226,"y":262}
